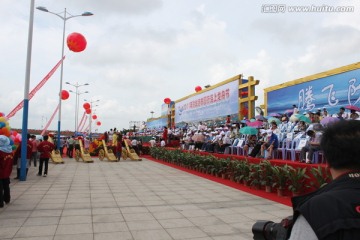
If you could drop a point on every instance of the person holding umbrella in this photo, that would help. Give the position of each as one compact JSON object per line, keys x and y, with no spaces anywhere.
{"x":353,"y":114}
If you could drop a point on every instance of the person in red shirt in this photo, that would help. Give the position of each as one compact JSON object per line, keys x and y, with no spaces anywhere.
{"x":17,"y":156}
{"x":45,"y":148}
{"x":6,"y":163}
{"x":119,"y":147}
{"x":165,"y":134}
{"x":34,"y":155}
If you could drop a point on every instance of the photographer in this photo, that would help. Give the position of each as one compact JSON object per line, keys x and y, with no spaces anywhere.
{"x":333,"y":211}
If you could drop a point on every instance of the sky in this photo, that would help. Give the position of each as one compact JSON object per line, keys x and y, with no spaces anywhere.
{"x":142,"y":51}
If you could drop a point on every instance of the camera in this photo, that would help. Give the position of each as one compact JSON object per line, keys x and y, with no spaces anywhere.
{"x":268,"y":230}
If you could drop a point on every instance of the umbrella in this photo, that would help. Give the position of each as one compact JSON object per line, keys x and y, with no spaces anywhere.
{"x":255,"y":124}
{"x":248,"y":130}
{"x":260,"y":117}
{"x":352,"y":107}
{"x":304,"y":119}
{"x":274,"y":115}
{"x":274,"y":119}
{"x":328,"y":120}
{"x":289,"y":111}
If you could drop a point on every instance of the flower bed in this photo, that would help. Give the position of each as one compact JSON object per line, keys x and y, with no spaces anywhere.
{"x":259,"y":174}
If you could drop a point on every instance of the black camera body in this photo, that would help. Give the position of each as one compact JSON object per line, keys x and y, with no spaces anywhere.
{"x":268,"y":230}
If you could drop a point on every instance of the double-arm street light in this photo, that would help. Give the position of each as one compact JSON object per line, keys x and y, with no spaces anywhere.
{"x":90,"y":118}
{"x":77,"y":85}
{"x":66,"y":16}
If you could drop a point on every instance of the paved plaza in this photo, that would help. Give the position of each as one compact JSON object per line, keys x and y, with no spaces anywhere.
{"x":129,"y":200}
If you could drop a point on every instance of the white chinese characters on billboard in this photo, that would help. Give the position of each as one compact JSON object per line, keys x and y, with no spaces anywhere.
{"x":214,"y":104}
{"x":330,"y":92}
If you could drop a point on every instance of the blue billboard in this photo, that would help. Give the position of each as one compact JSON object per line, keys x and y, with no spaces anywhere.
{"x":330,"y":92}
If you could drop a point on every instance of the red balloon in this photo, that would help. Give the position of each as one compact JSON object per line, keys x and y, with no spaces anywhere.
{"x":98,"y":123}
{"x":94,"y":117}
{"x":198,"y":89}
{"x":64,"y":94}
{"x":88,"y":111}
{"x":167,"y":100}
{"x":86,"y":105}
{"x":76,"y":42}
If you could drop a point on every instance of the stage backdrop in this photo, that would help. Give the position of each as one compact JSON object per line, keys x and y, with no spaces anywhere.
{"x":214,"y":105}
{"x":156,"y":123}
{"x":331,"y":90}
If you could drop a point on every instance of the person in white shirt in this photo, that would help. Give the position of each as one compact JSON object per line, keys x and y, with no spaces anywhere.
{"x":162,"y":143}
{"x":342,"y":114}
{"x":152,"y":142}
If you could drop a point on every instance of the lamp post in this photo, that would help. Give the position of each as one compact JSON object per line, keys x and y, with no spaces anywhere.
{"x":152,"y":114}
{"x":77,"y":109}
{"x":77,"y":85}
{"x":65,"y":17}
{"x":91,"y":102}
{"x":26,"y":95}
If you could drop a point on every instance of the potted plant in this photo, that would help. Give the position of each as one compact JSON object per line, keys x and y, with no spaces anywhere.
{"x":321,"y":175}
{"x":255,"y":176}
{"x":223,"y":168}
{"x":267,"y":175}
{"x":243,"y":172}
{"x":231,"y":170}
{"x":280,"y":178}
{"x":296,"y":177}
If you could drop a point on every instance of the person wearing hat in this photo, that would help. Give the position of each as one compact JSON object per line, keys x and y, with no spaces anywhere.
{"x":314,"y":144}
{"x":152,"y":142}
{"x":6,"y":163}
{"x":270,"y":145}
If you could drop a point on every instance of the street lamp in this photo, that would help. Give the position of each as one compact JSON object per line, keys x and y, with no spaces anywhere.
{"x":77,"y":85}
{"x":91,"y":102}
{"x":65,"y":17}
{"x":152,"y":114}
{"x":77,"y":109}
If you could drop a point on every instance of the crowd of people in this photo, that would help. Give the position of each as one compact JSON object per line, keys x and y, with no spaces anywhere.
{"x":272,"y":132}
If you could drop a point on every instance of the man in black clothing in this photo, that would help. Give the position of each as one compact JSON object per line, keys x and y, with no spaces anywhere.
{"x":333,"y":211}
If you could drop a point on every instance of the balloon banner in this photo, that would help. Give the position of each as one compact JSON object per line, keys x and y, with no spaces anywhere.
{"x":86,"y":105}
{"x":76,"y":42}
{"x":167,"y":100}
{"x":37,"y":88}
{"x":83,"y":125}
{"x":81,"y":121}
{"x":64,"y":95}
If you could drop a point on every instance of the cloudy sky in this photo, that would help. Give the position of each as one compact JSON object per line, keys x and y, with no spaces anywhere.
{"x":142,"y":51}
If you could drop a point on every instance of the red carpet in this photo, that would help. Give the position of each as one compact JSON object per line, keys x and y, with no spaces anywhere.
{"x":261,"y":193}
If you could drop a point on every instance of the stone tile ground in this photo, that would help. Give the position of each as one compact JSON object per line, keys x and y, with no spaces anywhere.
{"x":129,"y":200}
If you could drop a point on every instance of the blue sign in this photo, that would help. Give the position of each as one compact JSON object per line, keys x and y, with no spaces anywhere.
{"x":330,"y":92}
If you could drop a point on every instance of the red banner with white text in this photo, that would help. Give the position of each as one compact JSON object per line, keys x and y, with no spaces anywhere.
{"x":37,"y":88}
